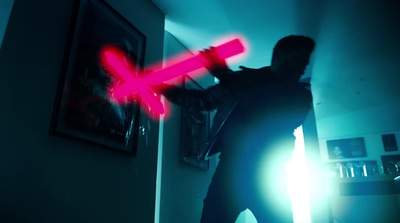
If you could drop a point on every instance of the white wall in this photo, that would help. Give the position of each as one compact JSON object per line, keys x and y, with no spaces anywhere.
{"x":355,"y":73}
{"x":355,"y":77}
{"x":373,"y":146}
{"x":45,"y":178}
{"x":355,"y":64}
{"x":369,"y":123}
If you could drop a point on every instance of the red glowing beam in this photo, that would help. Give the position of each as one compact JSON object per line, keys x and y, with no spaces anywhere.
{"x":129,"y":84}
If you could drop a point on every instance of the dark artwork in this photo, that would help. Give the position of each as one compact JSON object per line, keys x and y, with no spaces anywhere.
{"x":389,"y":142}
{"x":195,"y":128}
{"x":391,"y":164}
{"x":346,"y":148}
{"x":83,"y":109}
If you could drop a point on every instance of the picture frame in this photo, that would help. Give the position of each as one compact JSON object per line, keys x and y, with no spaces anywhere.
{"x":195,"y":130}
{"x":346,"y":148}
{"x":83,"y":110}
{"x":389,"y":142}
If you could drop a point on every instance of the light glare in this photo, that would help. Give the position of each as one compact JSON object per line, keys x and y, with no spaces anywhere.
{"x":298,"y":180}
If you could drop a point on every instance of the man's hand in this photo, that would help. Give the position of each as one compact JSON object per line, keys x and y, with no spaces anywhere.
{"x":215,"y":64}
{"x":211,"y":60}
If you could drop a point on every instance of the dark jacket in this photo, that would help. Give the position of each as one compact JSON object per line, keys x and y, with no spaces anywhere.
{"x":252,"y":105}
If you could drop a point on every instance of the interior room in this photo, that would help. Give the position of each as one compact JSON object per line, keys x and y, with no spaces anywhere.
{"x":70,"y":156}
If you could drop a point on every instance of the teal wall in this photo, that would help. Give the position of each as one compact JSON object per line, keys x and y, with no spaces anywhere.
{"x":5,"y":11}
{"x":183,"y":187}
{"x":45,"y":178}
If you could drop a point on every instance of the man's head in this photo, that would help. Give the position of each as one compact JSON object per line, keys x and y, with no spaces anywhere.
{"x":291,"y":56}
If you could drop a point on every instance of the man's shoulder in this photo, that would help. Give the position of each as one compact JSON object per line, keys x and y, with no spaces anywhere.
{"x":255,"y":70}
{"x":253,"y":73}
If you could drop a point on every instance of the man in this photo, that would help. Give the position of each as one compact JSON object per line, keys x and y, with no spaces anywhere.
{"x":257,"y":112}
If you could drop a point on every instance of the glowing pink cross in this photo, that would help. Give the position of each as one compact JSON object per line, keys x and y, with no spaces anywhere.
{"x":129,"y":84}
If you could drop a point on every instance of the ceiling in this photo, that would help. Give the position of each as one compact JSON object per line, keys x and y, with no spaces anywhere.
{"x":356,"y":62}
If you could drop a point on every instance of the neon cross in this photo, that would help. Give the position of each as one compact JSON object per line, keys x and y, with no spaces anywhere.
{"x":129,"y":84}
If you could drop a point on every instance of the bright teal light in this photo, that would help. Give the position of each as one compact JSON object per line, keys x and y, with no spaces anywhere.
{"x":298,"y":180}
{"x":281,"y":178}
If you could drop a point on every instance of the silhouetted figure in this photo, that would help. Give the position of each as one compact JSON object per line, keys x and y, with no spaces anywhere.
{"x":257,"y":112}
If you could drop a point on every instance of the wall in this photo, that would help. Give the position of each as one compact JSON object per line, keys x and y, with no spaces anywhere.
{"x":369,"y":123}
{"x":356,"y":84}
{"x":183,"y":187}
{"x":356,"y":80}
{"x":355,"y":70}
{"x":45,"y":178}
{"x":5,"y":11}
{"x":366,"y":63}
{"x":373,"y":146}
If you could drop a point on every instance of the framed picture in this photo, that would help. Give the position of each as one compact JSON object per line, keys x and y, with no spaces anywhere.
{"x":346,"y":148}
{"x":195,"y":129}
{"x":83,"y":109}
{"x":389,"y":142}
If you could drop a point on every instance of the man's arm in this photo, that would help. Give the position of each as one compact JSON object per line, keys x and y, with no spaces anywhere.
{"x":213,"y":96}
{"x":203,"y":100}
